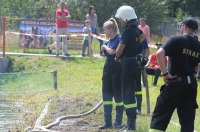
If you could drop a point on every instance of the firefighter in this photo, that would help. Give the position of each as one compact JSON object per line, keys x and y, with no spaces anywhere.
{"x":142,"y":58}
{"x":126,"y":53}
{"x":180,"y":89}
{"x":111,"y":80}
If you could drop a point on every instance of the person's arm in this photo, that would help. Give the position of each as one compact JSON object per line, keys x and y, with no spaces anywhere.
{"x":84,"y":30}
{"x":149,"y":62}
{"x":67,"y":17}
{"x":147,"y":33}
{"x":197,"y":68}
{"x":142,"y":37}
{"x":97,"y":26}
{"x":146,"y":53}
{"x":161,"y":61}
{"x":87,"y":17}
{"x":119,"y":51}
{"x":109,"y":50}
{"x":64,"y":17}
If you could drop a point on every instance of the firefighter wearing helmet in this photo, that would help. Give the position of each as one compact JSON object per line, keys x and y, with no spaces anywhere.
{"x":126,"y":53}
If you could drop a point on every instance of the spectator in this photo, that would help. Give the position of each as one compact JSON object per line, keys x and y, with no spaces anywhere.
{"x":52,"y":46}
{"x":62,"y":18}
{"x":145,"y":28}
{"x":92,"y":16}
{"x":86,"y":30}
{"x":111,"y":80}
{"x":153,"y":67}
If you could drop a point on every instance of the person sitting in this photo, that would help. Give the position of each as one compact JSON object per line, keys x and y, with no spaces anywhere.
{"x":152,"y":67}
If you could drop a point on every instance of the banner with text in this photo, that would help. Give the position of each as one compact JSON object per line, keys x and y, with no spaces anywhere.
{"x":40,"y":31}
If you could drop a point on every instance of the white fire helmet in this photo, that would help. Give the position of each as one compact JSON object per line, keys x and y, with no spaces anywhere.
{"x":126,"y":13}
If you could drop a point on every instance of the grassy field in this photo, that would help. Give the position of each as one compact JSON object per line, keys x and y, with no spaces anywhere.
{"x":79,"y":85}
{"x":79,"y":90}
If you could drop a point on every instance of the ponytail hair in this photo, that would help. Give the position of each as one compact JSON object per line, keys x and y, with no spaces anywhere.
{"x":111,"y":23}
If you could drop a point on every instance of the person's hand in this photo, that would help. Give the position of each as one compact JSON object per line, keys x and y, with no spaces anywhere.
{"x":117,"y":59}
{"x":103,"y":47}
{"x":197,"y":68}
{"x":168,"y":77}
{"x":144,"y":62}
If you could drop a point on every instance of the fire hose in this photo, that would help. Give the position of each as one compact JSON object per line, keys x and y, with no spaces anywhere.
{"x":57,"y":121}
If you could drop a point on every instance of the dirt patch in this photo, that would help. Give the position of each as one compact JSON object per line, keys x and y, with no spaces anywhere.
{"x":76,"y":125}
{"x":73,"y":106}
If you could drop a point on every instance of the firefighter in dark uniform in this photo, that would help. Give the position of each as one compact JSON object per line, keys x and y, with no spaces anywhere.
{"x":111,"y":81}
{"x":142,"y":57}
{"x":126,"y":53}
{"x":180,"y":89}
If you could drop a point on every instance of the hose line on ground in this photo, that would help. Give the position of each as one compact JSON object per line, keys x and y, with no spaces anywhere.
{"x":55,"y":123}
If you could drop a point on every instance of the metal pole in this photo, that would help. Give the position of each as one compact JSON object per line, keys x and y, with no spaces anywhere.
{"x":147,"y":89}
{"x":89,"y":46}
{"x":4,"y":36}
{"x":55,"y":79}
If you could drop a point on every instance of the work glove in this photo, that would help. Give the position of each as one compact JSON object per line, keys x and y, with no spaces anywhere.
{"x":144,"y":62}
{"x":139,"y":58}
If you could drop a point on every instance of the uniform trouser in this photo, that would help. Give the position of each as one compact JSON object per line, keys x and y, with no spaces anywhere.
{"x":154,"y":71}
{"x":138,"y":92}
{"x":180,"y":95}
{"x":85,"y":45}
{"x":130,"y":71}
{"x":61,"y":31}
{"x":111,"y":87}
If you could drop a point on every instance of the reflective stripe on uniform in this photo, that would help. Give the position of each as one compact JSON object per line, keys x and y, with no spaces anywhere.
{"x":138,"y":93}
{"x":120,"y":104}
{"x":154,"y":130}
{"x":131,"y":105}
{"x":107,"y":102}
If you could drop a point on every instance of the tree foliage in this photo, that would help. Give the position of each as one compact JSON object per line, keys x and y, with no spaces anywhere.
{"x":188,"y":7}
{"x":153,"y":10}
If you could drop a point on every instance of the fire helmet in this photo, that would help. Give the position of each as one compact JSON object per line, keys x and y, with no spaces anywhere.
{"x":126,"y":13}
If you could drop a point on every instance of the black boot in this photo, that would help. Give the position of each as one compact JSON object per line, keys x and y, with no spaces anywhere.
{"x":105,"y":126}
{"x":119,"y":115}
{"x":139,"y":103}
{"x":107,"y":117}
{"x":131,"y":125}
{"x":131,"y":119}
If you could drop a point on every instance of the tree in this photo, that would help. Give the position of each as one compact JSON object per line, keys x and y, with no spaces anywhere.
{"x":155,"y":11}
{"x":188,"y":7}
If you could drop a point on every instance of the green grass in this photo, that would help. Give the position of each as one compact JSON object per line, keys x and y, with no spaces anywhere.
{"x":78,"y":79}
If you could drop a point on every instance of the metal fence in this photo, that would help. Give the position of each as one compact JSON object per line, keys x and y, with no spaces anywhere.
{"x":166,"y":29}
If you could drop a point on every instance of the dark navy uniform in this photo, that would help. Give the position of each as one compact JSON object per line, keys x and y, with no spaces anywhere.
{"x":112,"y":86}
{"x":129,"y":66}
{"x":184,"y":55}
{"x":138,"y":92}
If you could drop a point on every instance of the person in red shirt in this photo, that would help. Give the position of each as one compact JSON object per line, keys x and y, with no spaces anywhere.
{"x":153,"y":67}
{"x":62,"y":20}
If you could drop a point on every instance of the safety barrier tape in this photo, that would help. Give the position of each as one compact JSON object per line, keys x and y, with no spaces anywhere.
{"x":68,"y":35}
